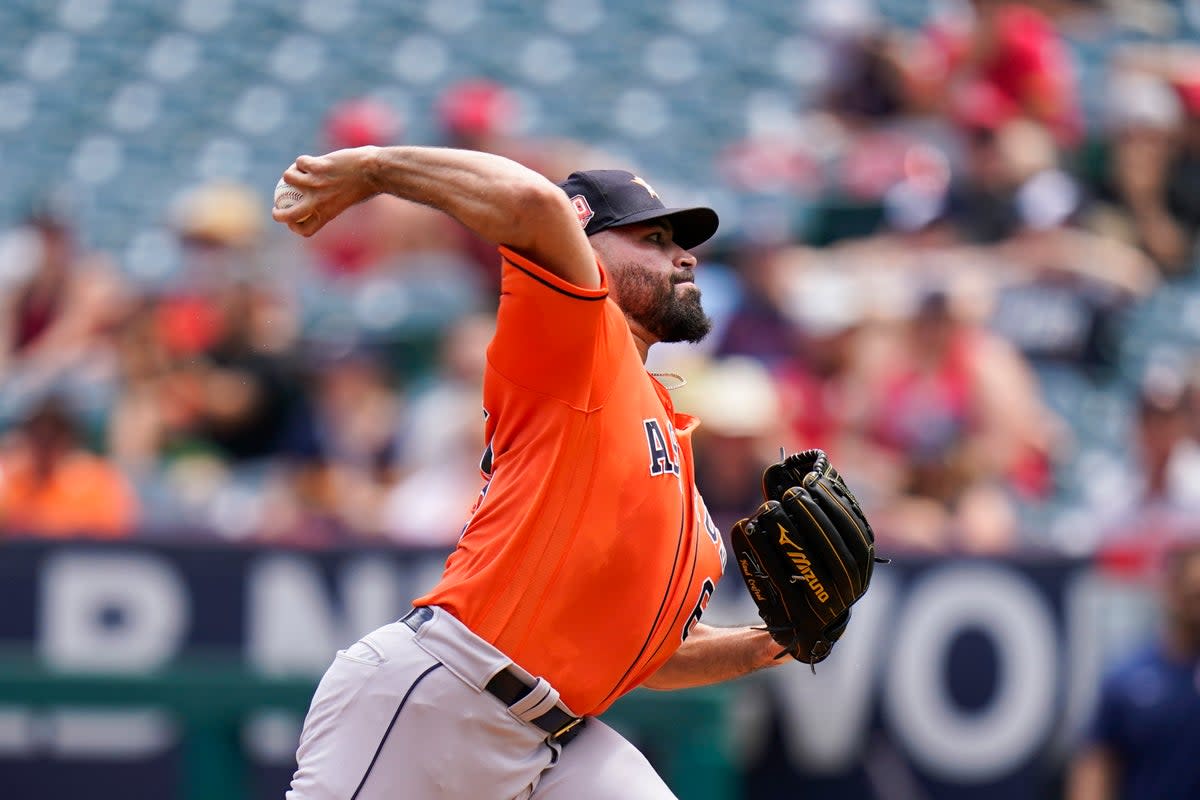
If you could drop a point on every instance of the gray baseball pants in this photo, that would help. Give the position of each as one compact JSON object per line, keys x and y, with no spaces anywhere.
{"x":404,"y":715}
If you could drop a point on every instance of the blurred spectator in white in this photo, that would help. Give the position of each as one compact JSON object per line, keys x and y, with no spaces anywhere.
{"x":1162,"y":481}
{"x":1166,"y":441}
{"x":741,"y":430}
{"x":1152,"y":165}
{"x":444,"y":413}
{"x":1137,"y":180}
{"x":441,"y":442}
{"x":53,"y":486}
{"x":1159,"y":481}
{"x":1144,"y":740}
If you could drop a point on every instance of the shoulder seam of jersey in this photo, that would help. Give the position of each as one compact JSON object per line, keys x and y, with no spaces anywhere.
{"x":558,"y":289}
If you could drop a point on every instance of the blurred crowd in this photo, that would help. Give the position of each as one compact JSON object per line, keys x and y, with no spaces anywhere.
{"x":970,"y":248}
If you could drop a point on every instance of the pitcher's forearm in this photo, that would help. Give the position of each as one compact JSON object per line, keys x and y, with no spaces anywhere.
{"x":497,"y":198}
{"x":501,"y":200}
{"x":711,"y":655}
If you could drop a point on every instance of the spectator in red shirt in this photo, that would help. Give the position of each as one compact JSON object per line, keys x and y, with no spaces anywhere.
{"x":1012,"y":50}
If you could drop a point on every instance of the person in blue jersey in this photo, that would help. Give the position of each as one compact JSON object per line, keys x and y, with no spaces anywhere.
{"x":1144,"y":740}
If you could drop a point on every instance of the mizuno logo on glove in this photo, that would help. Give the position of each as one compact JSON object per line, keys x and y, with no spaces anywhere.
{"x":796,"y":553}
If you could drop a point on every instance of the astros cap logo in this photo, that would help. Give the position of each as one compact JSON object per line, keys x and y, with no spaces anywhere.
{"x":645,"y":186}
{"x":582,"y":210}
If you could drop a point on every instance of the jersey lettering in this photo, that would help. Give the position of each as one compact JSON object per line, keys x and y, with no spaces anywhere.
{"x":485,"y":466}
{"x":678,"y":454}
{"x":661,"y":461}
{"x":706,"y":592}
{"x":485,"y":463}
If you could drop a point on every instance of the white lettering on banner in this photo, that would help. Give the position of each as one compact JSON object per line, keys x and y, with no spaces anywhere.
{"x":270,"y":736}
{"x":973,"y":745}
{"x":17,"y":728}
{"x":111,"y":735}
{"x":86,"y":733}
{"x":291,"y":626}
{"x":127,"y":608}
{"x":102,"y":611}
{"x":294,"y":625}
{"x":1097,"y":610}
{"x":895,"y":651}
{"x":814,"y":736}
{"x":370,"y":592}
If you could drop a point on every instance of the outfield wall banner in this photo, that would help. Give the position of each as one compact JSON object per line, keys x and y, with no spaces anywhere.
{"x":957,"y":678}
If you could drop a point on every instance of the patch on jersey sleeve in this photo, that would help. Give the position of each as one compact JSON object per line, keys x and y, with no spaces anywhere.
{"x":582,"y":210}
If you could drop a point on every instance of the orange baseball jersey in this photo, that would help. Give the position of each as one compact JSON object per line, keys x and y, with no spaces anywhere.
{"x":589,"y":555}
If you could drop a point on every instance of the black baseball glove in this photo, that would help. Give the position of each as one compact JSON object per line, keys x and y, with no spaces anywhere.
{"x":806,"y":555}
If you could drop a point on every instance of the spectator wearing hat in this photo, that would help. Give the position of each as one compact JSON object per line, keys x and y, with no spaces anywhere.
{"x":743,"y":426}
{"x":1133,"y":182}
{"x":1164,"y":493}
{"x":1155,"y":114}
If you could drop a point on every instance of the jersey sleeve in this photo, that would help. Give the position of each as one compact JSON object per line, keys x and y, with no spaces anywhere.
{"x":555,"y":338}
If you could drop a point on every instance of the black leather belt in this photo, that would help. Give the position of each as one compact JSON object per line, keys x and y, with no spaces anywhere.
{"x":508,"y":688}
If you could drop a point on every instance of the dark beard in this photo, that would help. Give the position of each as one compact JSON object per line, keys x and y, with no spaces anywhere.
{"x":652,"y":302}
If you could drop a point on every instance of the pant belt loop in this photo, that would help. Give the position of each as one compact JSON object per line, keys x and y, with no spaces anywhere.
{"x":511,"y":690}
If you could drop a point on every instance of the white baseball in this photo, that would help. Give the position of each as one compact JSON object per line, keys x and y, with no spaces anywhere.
{"x":286,"y":195}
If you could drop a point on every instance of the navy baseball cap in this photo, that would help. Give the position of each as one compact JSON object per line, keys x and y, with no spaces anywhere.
{"x":609,"y":198}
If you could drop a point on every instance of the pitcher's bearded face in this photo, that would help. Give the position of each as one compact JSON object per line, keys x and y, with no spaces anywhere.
{"x":653,"y":281}
{"x":666,"y":305}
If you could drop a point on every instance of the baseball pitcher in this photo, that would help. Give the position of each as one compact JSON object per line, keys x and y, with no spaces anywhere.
{"x":589,"y":557}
